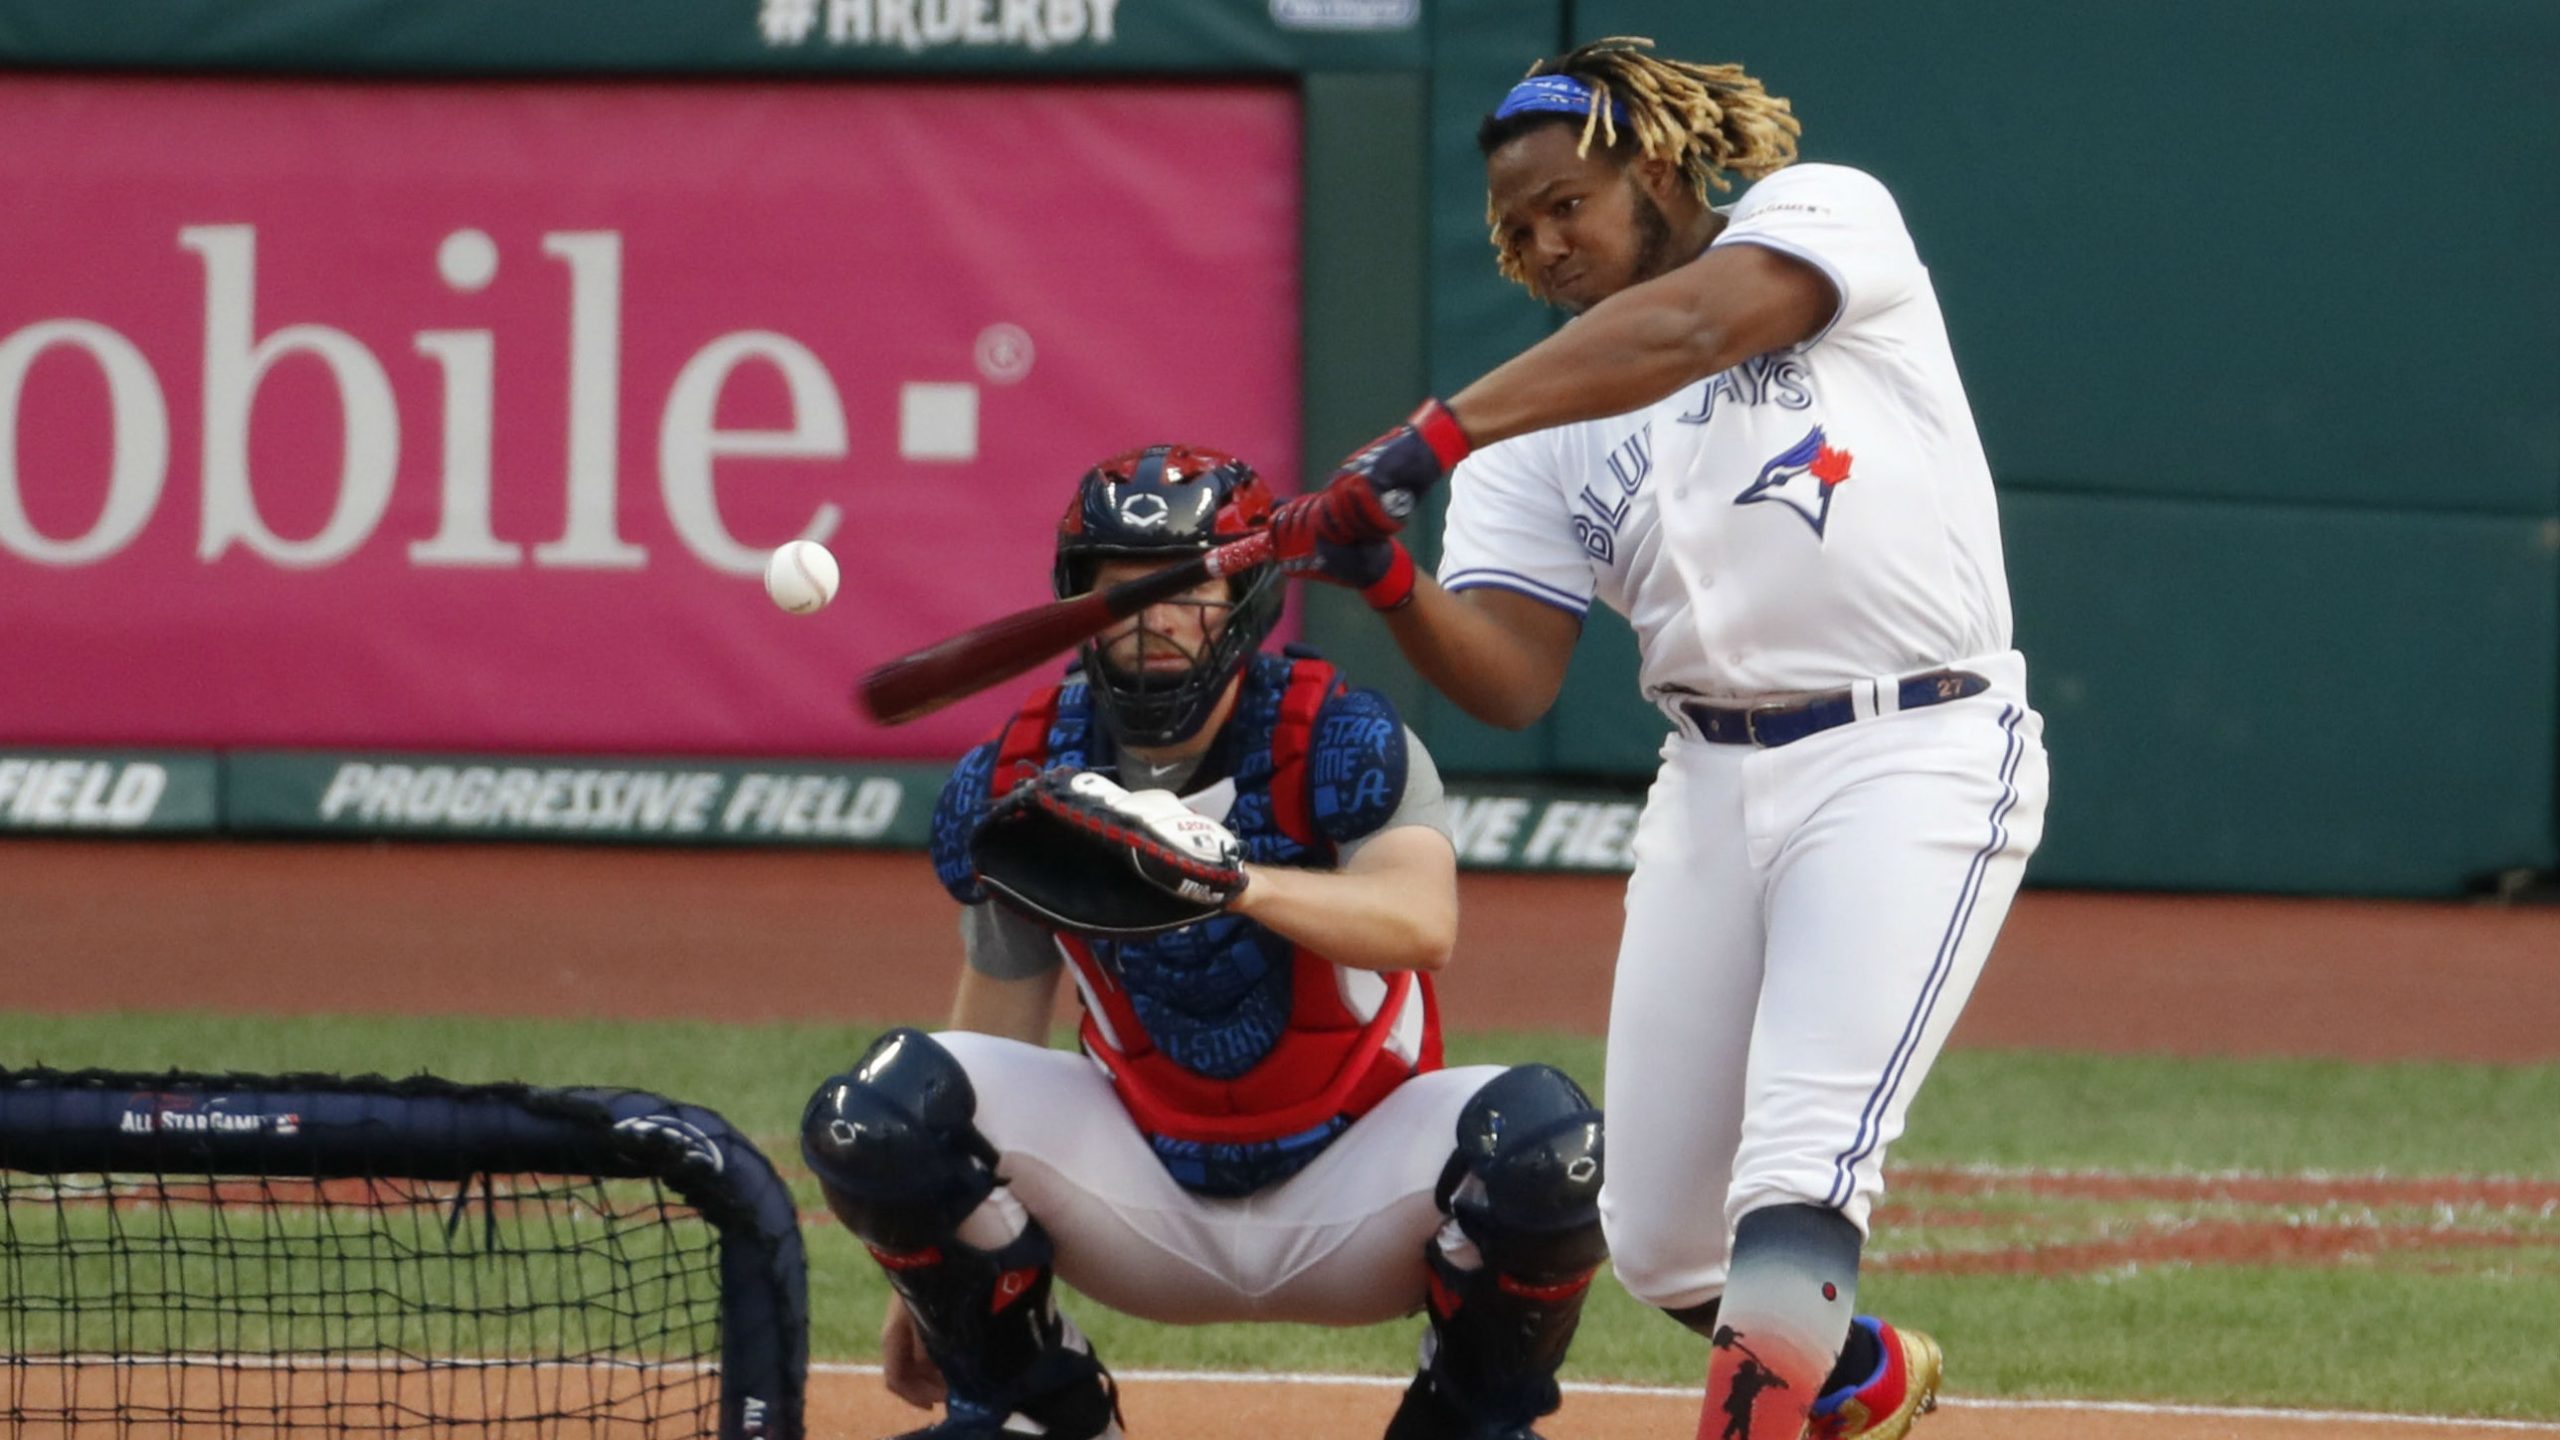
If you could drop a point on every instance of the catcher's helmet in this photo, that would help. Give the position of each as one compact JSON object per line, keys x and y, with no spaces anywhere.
{"x":1163,"y":503}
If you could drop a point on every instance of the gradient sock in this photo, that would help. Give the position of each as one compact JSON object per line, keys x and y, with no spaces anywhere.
{"x":1787,"y":1303}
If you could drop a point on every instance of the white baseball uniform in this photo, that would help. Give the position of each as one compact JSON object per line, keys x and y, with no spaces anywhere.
{"x":1805,"y":921}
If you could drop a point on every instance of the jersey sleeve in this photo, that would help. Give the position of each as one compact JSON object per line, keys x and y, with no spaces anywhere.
{"x":1509,"y":528}
{"x":1425,"y":802}
{"x":1842,"y":222}
{"x":1356,"y":766}
{"x":955,"y":819}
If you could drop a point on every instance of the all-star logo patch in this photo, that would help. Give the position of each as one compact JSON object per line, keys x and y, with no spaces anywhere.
{"x":1802,"y":479}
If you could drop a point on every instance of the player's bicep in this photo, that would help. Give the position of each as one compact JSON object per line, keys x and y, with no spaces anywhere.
{"x":1751,"y":299}
{"x":1542,"y":635}
{"x":1811,"y":231}
{"x":1415,"y":856}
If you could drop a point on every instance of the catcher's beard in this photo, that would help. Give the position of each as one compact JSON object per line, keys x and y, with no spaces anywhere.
{"x":1127,"y":650}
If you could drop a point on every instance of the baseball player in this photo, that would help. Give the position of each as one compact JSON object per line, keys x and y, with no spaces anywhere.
{"x":1259,"y":1127}
{"x":1750,"y":441}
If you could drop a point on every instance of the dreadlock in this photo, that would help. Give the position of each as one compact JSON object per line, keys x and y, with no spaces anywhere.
{"x":1707,"y":119}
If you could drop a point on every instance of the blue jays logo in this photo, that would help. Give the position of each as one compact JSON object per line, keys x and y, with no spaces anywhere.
{"x":1802,"y":479}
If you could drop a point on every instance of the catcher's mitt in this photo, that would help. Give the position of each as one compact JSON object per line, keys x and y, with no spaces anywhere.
{"x":1076,"y":852}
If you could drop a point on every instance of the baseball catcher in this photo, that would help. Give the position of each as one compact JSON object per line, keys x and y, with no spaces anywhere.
{"x":1244,"y":864}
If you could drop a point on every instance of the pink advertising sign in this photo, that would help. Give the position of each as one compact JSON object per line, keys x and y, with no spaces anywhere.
{"x":462,"y":416}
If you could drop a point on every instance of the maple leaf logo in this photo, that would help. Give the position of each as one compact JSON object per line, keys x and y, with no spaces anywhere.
{"x":1813,"y":456}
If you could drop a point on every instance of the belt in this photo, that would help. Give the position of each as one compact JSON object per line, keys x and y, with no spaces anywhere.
{"x":1770,"y":726}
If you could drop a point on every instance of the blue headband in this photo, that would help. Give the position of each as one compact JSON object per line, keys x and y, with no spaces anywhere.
{"x":1553,"y":95}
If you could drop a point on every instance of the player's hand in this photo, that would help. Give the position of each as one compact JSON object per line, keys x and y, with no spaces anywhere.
{"x":1369,"y":498}
{"x":908,"y":1371}
{"x":1381,"y":570}
{"x":1394,"y":471}
{"x":1332,"y":536}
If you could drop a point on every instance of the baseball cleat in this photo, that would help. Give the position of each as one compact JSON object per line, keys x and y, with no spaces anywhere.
{"x":1080,"y":1412}
{"x":1904,"y":1388}
{"x":1426,"y":1414}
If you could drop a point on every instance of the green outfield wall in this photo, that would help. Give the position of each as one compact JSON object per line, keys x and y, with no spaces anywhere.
{"x":2255,"y":308}
{"x":2255,"y":304}
{"x":310,"y":794}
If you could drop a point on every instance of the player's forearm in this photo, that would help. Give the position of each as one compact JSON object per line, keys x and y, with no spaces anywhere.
{"x":1012,"y":1009}
{"x":1381,"y":921}
{"x":1624,"y":354}
{"x":1490,"y":670}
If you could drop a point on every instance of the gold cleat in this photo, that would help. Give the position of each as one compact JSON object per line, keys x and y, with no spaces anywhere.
{"x":1904,"y":1388}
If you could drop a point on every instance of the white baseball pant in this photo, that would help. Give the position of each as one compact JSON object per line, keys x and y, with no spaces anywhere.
{"x":1803,"y":927}
{"x":1339,"y":1243}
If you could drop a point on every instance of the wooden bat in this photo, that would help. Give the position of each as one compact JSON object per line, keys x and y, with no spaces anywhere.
{"x":920,"y":683}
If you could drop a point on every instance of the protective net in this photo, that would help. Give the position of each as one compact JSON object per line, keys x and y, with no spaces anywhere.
{"x":159,"y":1302}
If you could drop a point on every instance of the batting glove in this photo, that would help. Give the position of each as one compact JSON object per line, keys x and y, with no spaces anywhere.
{"x":1311,"y":534}
{"x":1390,"y":475}
{"x":1381,"y":570}
{"x":1367,"y":501}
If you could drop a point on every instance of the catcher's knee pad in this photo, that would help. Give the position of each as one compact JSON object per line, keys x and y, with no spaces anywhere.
{"x":1524,"y":1183}
{"x":895,"y":1144}
{"x":1524,"y":1188}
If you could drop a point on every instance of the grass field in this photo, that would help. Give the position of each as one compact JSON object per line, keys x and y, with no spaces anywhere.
{"x":2048,"y":1223}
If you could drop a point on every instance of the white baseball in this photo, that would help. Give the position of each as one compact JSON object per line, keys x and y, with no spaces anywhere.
{"x":801,"y":577}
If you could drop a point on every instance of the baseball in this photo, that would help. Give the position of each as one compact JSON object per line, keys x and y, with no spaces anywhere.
{"x":801,"y":577}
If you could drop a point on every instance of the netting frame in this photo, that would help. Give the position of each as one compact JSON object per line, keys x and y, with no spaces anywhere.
{"x":424,"y":1127}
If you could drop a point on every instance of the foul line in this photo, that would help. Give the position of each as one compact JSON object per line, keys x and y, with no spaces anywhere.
{"x":1679,"y":1392}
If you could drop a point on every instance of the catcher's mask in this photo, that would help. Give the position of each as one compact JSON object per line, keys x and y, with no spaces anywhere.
{"x":1166,"y":502}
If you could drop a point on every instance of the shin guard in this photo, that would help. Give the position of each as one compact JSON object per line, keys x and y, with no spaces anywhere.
{"x":989,"y":1321}
{"x":1490,"y":1358}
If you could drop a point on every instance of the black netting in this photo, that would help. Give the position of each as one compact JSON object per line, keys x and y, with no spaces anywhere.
{"x":523,"y":1305}
{"x":186,"y":1255}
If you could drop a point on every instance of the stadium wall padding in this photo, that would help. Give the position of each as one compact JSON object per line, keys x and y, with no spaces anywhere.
{"x":2253,"y":302}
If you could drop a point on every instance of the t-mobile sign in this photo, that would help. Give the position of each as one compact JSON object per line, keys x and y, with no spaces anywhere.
{"x":463,"y":416}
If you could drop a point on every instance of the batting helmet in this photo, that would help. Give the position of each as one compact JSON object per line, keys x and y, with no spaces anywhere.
{"x":1166,"y":502}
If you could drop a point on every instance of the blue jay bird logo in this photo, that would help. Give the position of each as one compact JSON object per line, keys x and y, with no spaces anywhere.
{"x":1811,"y":458}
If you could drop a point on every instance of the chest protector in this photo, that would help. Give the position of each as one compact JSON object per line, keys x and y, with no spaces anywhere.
{"x":1224,"y":1038}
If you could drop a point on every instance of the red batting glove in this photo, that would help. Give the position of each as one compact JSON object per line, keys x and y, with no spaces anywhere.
{"x":1371,"y":494}
{"x":1393,"y":587}
{"x":1309,"y":533}
{"x":1381,"y":570}
{"x":1400,"y":467}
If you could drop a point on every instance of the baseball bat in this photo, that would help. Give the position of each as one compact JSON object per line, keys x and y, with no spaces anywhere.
{"x":920,"y":683}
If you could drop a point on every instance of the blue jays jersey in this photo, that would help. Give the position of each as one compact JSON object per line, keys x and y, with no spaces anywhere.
{"x":1805,"y":520}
